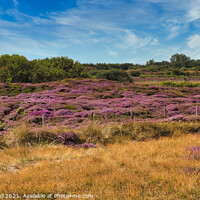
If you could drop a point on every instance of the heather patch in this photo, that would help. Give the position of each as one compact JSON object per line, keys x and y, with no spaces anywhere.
{"x":71,"y":139}
{"x":108,"y":101}
{"x":48,"y":114}
{"x":24,"y":135}
{"x":13,"y":89}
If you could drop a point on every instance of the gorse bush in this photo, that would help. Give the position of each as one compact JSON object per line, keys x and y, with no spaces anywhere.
{"x":115,"y":75}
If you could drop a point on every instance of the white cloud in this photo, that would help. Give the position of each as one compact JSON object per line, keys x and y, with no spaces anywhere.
{"x":155,"y":41}
{"x":174,"y":30}
{"x":8,"y":25}
{"x":194,"y":41}
{"x":117,"y":28}
{"x":131,"y":39}
{"x":193,"y":10}
{"x":112,"y":53}
{"x":130,"y":43}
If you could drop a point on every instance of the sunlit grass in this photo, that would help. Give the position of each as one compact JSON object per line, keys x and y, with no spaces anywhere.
{"x":153,"y":169}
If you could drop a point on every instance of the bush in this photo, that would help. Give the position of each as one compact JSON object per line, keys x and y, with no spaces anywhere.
{"x":93,"y":72}
{"x":23,"y":135}
{"x":135,"y":73}
{"x":182,"y":84}
{"x":70,"y":107}
{"x":115,"y":75}
{"x":177,"y":72}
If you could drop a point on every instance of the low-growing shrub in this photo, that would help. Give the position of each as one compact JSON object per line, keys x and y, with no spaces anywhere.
{"x":135,"y":73}
{"x":24,"y":135}
{"x":93,"y":72}
{"x":70,"y":107}
{"x":96,"y":133}
{"x":182,"y":84}
{"x":115,"y":75}
{"x":29,"y":89}
{"x":68,"y":138}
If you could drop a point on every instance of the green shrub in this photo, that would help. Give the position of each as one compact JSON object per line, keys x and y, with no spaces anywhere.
{"x":28,"y":89}
{"x":115,"y":75}
{"x":19,"y":110}
{"x":24,"y":135}
{"x":177,"y":72}
{"x":70,"y":107}
{"x":93,"y":72}
{"x":182,"y":84}
{"x":135,"y":73}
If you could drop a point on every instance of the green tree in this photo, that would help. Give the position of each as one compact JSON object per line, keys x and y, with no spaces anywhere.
{"x":180,"y":60}
{"x":5,"y":75}
{"x":19,"y":68}
{"x":150,"y":62}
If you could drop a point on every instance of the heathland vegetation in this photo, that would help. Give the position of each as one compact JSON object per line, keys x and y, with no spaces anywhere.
{"x":115,"y":131}
{"x":15,"y":68}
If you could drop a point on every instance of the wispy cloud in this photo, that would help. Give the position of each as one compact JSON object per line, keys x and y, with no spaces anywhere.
{"x":112,"y":53}
{"x":115,"y":28}
{"x":155,"y":42}
{"x":131,"y":41}
{"x":13,"y":44}
{"x":15,"y":2}
{"x":193,"y":10}
{"x":194,"y":41}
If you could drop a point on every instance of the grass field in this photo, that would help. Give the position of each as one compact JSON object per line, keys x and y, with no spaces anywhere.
{"x":151,"y":169}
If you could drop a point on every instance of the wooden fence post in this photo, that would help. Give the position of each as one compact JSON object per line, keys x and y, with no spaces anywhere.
{"x":132,"y":114}
{"x":92,"y":116}
{"x":165,"y":112}
{"x":197,"y":110}
{"x":43,"y":120}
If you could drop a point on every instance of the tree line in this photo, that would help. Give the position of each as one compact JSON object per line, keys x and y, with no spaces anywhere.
{"x":179,"y":65}
{"x":16,"y":68}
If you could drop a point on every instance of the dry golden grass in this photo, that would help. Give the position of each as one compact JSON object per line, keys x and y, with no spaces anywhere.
{"x":154,"y":169}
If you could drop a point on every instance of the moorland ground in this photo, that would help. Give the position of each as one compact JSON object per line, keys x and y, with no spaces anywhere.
{"x":154,"y":155}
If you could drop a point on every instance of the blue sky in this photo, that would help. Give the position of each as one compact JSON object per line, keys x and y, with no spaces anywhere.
{"x":91,"y":31}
